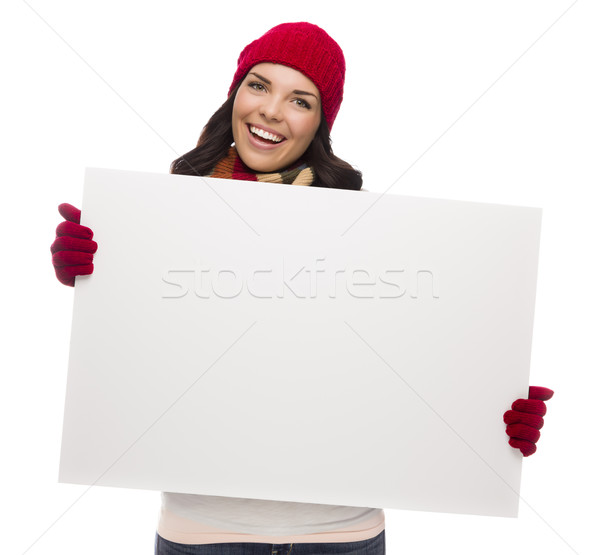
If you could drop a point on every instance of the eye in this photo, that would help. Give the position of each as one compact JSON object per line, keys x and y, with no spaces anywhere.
{"x":302,"y":103}
{"x":257,"y":86}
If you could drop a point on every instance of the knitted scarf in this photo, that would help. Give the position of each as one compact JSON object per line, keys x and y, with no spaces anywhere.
{"x":232,"y":167}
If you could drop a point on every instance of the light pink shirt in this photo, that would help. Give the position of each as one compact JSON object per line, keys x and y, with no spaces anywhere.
{"x":201,"y":519}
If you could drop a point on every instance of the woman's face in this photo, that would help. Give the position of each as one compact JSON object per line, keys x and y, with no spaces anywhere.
{"x":276,"y":114}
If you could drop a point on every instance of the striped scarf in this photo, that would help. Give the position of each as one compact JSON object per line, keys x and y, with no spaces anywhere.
{"x":232,"y":167}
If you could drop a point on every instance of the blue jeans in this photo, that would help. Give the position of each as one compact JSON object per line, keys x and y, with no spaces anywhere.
{"x":372,"y":546}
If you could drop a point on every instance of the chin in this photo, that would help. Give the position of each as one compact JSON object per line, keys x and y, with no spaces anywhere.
{"x":255,"y":163}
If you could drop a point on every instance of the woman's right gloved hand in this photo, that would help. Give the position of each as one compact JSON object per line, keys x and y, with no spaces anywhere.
{"x":73,"y":249}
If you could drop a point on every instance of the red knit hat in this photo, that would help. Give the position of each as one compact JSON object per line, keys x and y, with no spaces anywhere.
{"x":307,"y":48}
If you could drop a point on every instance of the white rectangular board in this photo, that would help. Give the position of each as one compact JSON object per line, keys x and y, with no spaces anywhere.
{"x":301,"y":344}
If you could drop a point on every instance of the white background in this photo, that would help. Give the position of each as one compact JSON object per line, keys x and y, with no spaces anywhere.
{"x":492,"y":102}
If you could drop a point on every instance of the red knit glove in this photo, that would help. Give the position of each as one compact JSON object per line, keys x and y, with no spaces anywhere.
{"x":525,"y":421}
{"x":73,"y":249}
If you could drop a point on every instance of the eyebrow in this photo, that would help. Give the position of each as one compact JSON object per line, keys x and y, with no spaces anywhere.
{"x":295,"y":91}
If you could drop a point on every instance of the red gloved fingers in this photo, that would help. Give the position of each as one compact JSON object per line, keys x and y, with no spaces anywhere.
{"x":531,"y":406}
{"x":74,"y":230}
{"x":540,"y":393}
{"x":525,"y":420}
{"x":521,"y":431}
{"x":73,"y":249}
{"x":71,"y":258}
{"x":66,"y":274}
{"x":526,"y":447}
{"x":514,"y":417}
{"x":69,"y":212}
{"x":64,"y":277}
{"x":68,"y":243}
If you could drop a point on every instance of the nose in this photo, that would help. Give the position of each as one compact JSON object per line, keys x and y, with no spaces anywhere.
{"x":271,"y":108}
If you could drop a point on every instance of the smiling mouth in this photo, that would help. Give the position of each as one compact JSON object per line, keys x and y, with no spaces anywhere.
{"x":265,"y":136}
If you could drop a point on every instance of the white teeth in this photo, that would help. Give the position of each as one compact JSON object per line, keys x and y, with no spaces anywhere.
{"x":265,"y":134}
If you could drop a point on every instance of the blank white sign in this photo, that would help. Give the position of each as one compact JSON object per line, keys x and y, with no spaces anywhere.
{"x":300,"y":344}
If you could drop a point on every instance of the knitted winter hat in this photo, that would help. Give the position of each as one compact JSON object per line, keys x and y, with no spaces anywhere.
{"x":307,"y":48}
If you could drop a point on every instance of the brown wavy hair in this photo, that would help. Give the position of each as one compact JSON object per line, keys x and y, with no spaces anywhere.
{"x":217,"y":136}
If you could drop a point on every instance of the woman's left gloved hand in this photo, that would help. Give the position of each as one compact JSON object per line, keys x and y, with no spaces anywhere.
{"x":525,"y":420}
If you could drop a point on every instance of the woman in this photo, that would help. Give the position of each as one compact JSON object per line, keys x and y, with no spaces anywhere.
{"x":282,"y":103}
